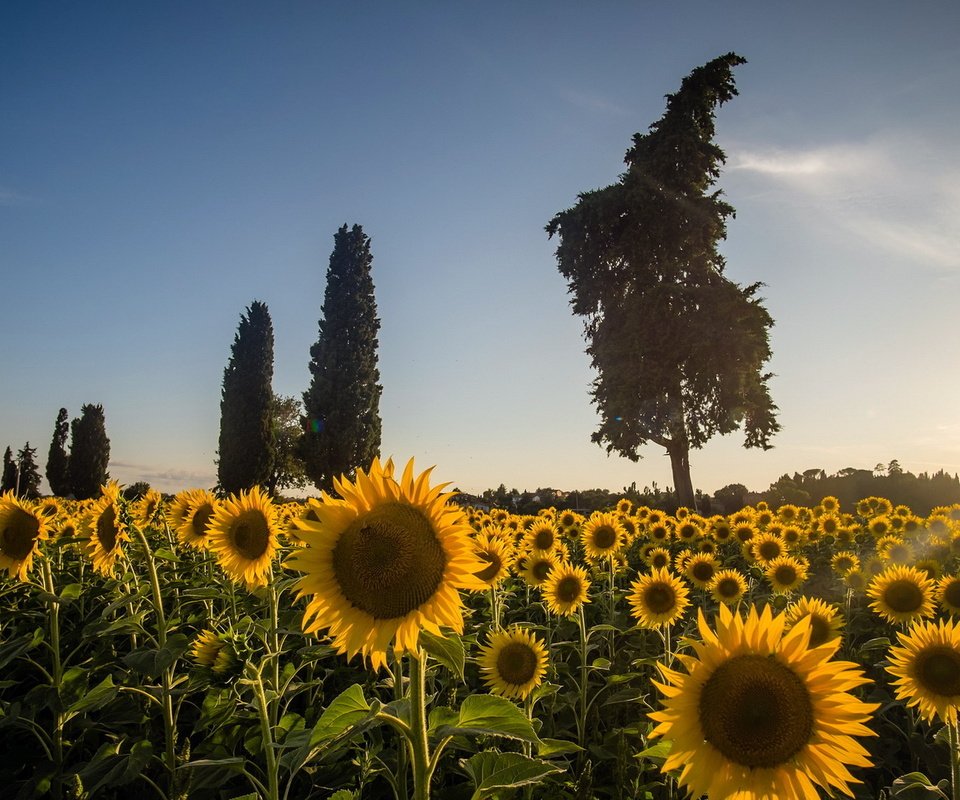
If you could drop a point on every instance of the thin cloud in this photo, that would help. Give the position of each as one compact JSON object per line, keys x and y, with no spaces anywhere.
{"x":594,"y":103}
{"x":164,"y":478}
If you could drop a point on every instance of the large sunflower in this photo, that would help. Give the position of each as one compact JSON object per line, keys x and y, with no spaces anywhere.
{"x":105,"y":529}
{"x":242,"y":534}
{"x":566,"y":589}
{"x":902,"y":594}
{"x":760,"y":714}
{"x":21,"y":530}
{"x":602,"y":535}
{"x":384,"y":562}
{"x":658,"y":599}
{"x":201,"y":508}
{"x":513,"y":662}
{"x":537,"y":565}
{"x":728,"y":586}
{"x":927,"y":667}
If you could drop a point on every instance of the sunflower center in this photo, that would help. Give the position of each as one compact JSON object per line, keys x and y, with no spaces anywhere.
{"x":952,"y":593}
{"x":819,"y":630}
{"x":903,"y":596}
{"x":517,"y":663}
{"x":756,"y":711}
{"x":201,"y":518}
{"x":659,"y":560}
{"x":541,"y":569}
{"x":489,"y":572}
{"x":660,"y":598}
{"x":19,"y":535}
{"x":251,"y":534}
{"x":389,"y":561}
{"x":728,"y":587}
{"x":107,"y":528}
{"x":568,"y":589}
{"x":543,"y":539}
{"x":937,"y":669}
{"x":702,"y":571}
{"x":604,"y":537}
{"x":785,"y":575}
{"x":768,"y":550}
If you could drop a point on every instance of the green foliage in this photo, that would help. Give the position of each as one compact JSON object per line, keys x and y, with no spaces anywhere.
{"x":678,"y":347}
{"x":89,"y":452}
{"x":246,"y":449}
{"x":58,"y":462}
{"x":287,"y":471}
{"x":8,"y":483}
{"x":342,"y":404}
{"x":28,"y":483}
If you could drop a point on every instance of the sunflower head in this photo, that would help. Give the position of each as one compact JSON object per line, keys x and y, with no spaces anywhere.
{"x":728,"y":586}
{"x":927,"y":668}
{"x":658,"y":599}
{"x":242,"y":534}
{"x":759,"y":713}
{"x":825,"y":619}
{"x":497,"y":555}
{"x":700,"y":569}
{"x":541,"y":535}
{"x":384,"y":562}
{"x":537,"y":566}
{"x":513,"y":662}
{"x":105,"y":529}
{"x":902,"y":594}
{"x":22,"y":529}
{"x":201,"y":508}
{"x":602,"y":535}
{"x":785,"y":574}
{"x":566,"y":589}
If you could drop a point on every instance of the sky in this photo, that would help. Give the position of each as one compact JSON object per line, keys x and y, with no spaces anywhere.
{"x":162,"y":165}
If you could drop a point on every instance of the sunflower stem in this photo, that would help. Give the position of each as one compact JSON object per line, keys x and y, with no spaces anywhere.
{"x":495,"y":608}
{"x":401,"y":777}
{"x":266,"y":730}
{"x":419,"y":746}
{"x":57,"y":675}
{"x":584,"y":677}
{"x":613,"y":608}
{"x":274,"y":644}
{"x":954,"y":760}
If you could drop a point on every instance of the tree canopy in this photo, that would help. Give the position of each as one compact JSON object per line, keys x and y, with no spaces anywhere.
{"x":246,"y":450}
{"x":58,"y":462}
{"x":89,"y":452}
{"x":342,"y":404}
{"x":678,"y":347}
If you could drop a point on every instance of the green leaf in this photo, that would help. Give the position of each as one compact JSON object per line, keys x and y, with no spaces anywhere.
{"x":491,"y":772}
{"x":166,"y":555}
{"x":659,"y":750}
{"x":70,"y":592}
{"x":489,"y":715}
{"x":448,"y":650}
{"x":349,"y":708}
{"x":916,"y":786}
{"x":343,"y":794}
{"x":96,"y":698}
{"x":556,"y":747}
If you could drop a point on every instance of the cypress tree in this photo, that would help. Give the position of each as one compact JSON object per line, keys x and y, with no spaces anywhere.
{"x":342,"y":404}
{"x":8,"y":483}
{"x":58,"y":462}
{"x":29,"y":479}
{"x":89,"y":452}
{"x":246,"y":449}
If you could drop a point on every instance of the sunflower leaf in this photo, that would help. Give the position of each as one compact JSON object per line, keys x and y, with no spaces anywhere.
{"x":448,"y":650}
{"x":349,"y":708}
{"x":96,"y":698}
{"x":659,"y":750}
{"x":489,"y":715}
{"x":492,"y":772}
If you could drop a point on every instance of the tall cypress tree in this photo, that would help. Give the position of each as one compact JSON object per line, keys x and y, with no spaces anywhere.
{"x":89,"y":452}
{"x":246,"y":450}
{"x":8,"y":482}
{"x":29,"y":479}
{"x":342,"y":405}
{"x":58,"y":462}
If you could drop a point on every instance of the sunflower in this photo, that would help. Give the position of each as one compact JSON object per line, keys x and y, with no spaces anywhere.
{"x":624,"y":506}
{"x":766,"y":547}
{"x":830,"y":504}
{"x":856,"y":580}
{"x":902,"y":594}
{"x":148,"y":509}
{"x":21,"y":531}
{"x":785,"y":574}
{"x":513,"y":662}
{"x":688,"y":530}
{"x":927,"y":668}
{"x":700,"y":569}
{"x":948,"y":594}
{"x":721,"y":530}
{"x":825,"y":619}
{"x":105,"y":529}
{"x":658,"y":557}
{"x":658,"y":599}
{"x":788,"y":513}
{"x":602,"y":535}
{"x":659,"y":531}
{"x":385,"y":562}
{"x":569,"y":521}
{"x":536,"y":567}
{"x":177,"y":509}
{"x":743,"y":532}
{"x":728,"y":586}
{"x":566,"y":589}
{"x":843,"y":561}
{"x":497,"y":556}
{"x":201,"y":508}
{"x":242,"y":534}
{"x":759,"y":714}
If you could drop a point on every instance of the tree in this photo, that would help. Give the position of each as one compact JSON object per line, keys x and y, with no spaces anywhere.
{"x":287,"y":472}
{"x":677,"y":347}
{"x":58,"y":462}
{"x":28,"y":480}
{"x":342,"y":404}
{"x":246,"y":416}
{"x":8,"y":483}
{"x":89,"y":452}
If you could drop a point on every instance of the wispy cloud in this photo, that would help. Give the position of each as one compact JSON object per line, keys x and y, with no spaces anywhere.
{"x":159,"y":477}
{"x":594,"y":103}
{"x":896,"y":193}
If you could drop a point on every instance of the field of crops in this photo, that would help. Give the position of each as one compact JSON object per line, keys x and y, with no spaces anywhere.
{"x":386,"y":642}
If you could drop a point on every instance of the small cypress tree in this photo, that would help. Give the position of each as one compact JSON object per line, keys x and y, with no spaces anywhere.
{"x":8,"y":483}
{"x":246,"y":449}
{"x":89,"y":452}
{"x":29,"y":481}
{"x":58,"y":462}
{"x":342,"y":405}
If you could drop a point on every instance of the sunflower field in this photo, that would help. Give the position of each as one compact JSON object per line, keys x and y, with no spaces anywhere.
{"x":385,"y":642}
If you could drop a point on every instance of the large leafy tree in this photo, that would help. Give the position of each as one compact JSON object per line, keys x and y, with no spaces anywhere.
{"x":246,"y":449}
{"x":342,"y":404}
{"x":29,"y":477}
{"x":287,"y":472}
{"x":58,"y":462}
{"x":89,"y":452}
{"x":678,"y":348}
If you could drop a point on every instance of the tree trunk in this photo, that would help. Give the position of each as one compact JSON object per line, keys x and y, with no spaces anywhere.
{"x":680,"y":464}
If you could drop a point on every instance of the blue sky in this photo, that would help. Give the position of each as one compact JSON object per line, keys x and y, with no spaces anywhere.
{"x":162,"y":165}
